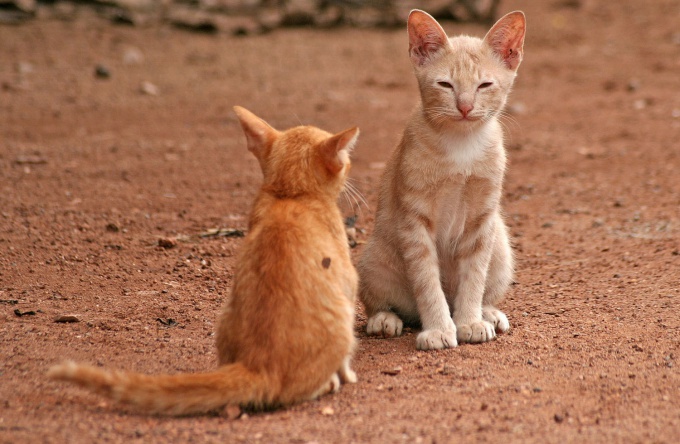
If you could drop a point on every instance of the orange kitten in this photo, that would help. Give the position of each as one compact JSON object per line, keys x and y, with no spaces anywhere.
{"x":440,"y":254}
{"x":286,"y":333}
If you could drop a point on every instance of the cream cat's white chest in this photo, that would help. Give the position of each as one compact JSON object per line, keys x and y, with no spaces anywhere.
{"x":467,"y":154}
{"x":449,"y":211}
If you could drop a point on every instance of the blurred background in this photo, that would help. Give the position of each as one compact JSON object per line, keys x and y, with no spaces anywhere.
{"x":249,"y":16}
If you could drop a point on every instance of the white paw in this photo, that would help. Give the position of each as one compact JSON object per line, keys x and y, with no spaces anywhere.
{"x":347,"y":375}
{"x":497,"y":318}
{"x":330,"y":386}
{"x":334,"y":383}
{"x":475,"y":332}
{"x":385,"y":324}
{"x":436,"y":339}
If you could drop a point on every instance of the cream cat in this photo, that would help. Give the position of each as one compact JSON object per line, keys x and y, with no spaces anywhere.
{"x":286,"y":334}
{"x":440,"y":254}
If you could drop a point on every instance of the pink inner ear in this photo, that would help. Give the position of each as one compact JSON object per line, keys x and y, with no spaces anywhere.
{"x":506,"y":38}
{"x":426,"y":37}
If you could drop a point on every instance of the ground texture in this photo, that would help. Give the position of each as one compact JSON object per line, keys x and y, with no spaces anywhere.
{"x":96,"y":169}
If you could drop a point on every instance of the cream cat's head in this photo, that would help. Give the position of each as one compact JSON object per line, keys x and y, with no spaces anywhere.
{"x":464,"y":81}
{"x":304,"y":160}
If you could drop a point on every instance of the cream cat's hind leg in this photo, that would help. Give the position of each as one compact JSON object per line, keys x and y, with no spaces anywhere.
{"x":499,"y":279}
{"x":377,"y":290}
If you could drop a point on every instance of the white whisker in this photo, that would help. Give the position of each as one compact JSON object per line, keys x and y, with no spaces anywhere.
{"x":354,"y":197}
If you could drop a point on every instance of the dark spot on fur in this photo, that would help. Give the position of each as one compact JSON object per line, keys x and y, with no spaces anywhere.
{"x":326,"y":262}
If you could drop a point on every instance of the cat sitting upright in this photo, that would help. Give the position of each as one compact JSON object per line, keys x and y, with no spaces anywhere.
{"x":440,"y":254}
{"x":286,"y":333}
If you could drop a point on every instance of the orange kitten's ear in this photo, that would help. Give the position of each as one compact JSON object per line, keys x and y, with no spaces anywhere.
{"x":506,"y":38}
{"x":335,"y":150}
{"x":259,"y":134}
{"x":425,"y":37}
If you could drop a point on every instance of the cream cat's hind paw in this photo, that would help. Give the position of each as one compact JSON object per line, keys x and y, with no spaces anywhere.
{"x":384,"y":323}
{"x":436,"y":339}
{"x":476,"y":332}
{"x":496,"y":318}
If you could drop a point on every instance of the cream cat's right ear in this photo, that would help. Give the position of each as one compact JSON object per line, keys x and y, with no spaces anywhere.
{"x":506,"y":38}
{"x":335,"y":150}
{"x":426,"y":37}
{"x":259,"y":134}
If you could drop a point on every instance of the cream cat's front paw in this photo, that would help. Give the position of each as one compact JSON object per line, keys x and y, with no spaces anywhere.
{"x":436,"y":339}
{"x":384,"y":323}
{"x":476,"y":332}
{"x":497,"y":318}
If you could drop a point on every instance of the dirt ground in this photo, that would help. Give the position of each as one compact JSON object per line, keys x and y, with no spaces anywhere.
{"x":94,"y":171}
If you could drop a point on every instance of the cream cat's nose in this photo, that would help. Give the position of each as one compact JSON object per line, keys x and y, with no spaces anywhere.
{"x":464,"y":108}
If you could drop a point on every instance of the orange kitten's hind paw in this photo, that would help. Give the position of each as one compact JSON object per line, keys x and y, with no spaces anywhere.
{"x":331,"y":386}
{"x":346,"y":374}
{"x":385,"y":323}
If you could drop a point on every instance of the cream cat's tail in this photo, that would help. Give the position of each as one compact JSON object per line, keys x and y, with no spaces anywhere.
{"x":181,"y":394}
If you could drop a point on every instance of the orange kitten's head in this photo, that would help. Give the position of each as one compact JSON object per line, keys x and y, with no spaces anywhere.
{"x":463,"y":80}
{"x":300,"y":161}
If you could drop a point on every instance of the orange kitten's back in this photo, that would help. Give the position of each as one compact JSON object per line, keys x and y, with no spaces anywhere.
{"x":286,"y":333}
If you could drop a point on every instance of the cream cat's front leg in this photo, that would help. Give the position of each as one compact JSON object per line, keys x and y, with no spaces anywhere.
{"x":422,"y":270}
{"x":472,"y":267}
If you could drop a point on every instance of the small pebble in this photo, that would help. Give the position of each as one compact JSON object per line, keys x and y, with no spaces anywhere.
{"x":133,"y":56}
{"x":392,"y":372}
{"x":102,"y":72}
{"x":167,"y":243}
{"x":149,"y":88}
{"x":67,"y":319}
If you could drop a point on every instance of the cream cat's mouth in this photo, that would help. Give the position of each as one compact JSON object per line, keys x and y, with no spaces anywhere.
{"x":467,"y":119}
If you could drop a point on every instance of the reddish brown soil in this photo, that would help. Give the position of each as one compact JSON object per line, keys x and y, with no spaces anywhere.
{"x":94,"y":172}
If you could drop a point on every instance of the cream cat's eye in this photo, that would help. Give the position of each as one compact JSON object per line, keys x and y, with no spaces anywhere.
{"x":484,"y":85}
{"x":445,"y":85}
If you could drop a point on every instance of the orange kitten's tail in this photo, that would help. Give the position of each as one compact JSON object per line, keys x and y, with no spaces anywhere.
{"x":181,"y":394}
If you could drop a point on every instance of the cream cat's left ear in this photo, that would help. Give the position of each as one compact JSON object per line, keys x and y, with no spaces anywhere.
{"x":335,"y":150}
{"x":259,"y":134}
{"x":425,"y":37}
{"x":506,"y":38}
